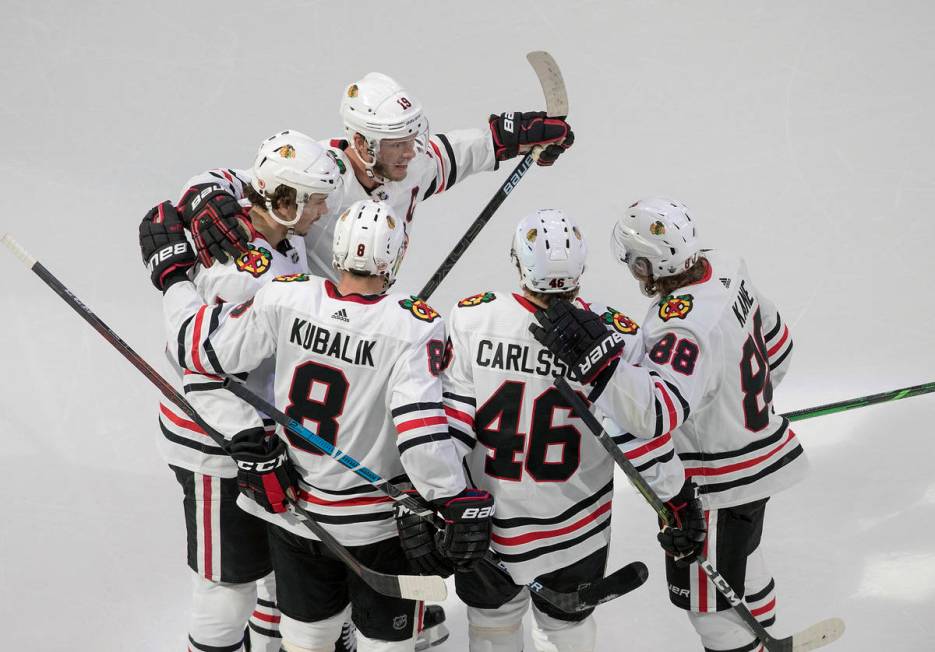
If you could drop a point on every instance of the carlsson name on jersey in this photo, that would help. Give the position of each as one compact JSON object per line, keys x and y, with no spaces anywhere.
{"x":319,"y":339}
{"x":518,"y":357}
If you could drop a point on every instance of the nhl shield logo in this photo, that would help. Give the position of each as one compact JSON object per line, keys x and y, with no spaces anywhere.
{"x":620,"y":322}
{"x":400,"y":622}
{"x":254,"y":261}
{"x":675,"y":307}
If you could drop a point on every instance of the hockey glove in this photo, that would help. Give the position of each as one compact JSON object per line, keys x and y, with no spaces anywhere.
{"x":166,"y":252}
{"x":578,"y":338}
{"x":265,"y":473}
{"x":684,"y":539}
{"x":417,"y":538}
{"x":466,"y":536}
{"x":218,"y":223}
{"x":515,"y":132}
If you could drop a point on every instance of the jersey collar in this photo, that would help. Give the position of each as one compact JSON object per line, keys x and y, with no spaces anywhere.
{"x":332,"y":291}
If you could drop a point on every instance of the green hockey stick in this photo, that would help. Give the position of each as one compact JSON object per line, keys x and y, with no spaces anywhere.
{"x":850,"y":404}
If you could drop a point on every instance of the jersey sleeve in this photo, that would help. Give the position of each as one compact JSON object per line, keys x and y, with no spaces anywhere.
{"x":458,"y":386}
{"x":415,"y":402}
{"x":220,"y":339}
{"x":778,"y":340}
{"x":230,"y":180}
{"x":457,"y":155}
{"x":222,"y":410}
{"x":656,"y":396}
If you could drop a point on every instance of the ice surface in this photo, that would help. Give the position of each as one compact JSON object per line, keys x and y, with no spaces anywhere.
{"x":800,"y":133}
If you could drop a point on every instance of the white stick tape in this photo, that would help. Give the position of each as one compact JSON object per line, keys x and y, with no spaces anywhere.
{"x":18,"y":250}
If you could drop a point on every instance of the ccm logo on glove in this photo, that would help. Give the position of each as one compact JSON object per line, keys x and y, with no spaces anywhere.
{"x":262,"y":467}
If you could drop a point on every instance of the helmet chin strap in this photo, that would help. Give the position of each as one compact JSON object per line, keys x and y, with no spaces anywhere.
{"x":369,"y":167}
{"x":290,"y":224}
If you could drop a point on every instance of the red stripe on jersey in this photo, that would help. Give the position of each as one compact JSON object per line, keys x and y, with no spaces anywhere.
{"x":702,"y":577}
{"x":206,"y":520}
{"x":188,"y":372}
{"x":458,"y":414}
{"x":262,"y":616}
{"x":766,"y":607}
{"x":649,"y":447}
{"x":346,"y":502}
{"x":785,"y":336}
{"x":441,"y":162}
{"x":179,"y":421}
{"x":227,"y":176}
{"x":332,"y":291}
{"x":707,"y":274}
{"x":670,"y":406}
{"x":196,"y":338}
{"x":546,"y":534}
{"x":420,"y":423}
{"x":706,"y":471}
{"x":525,"y":303}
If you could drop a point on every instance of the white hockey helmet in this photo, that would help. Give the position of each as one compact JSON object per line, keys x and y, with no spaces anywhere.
{"x":549,"y":251}
{"x":295,"y":160}
{"x":369,"y":238}
{"x":377,"y":107}
{"x":656,"y":238}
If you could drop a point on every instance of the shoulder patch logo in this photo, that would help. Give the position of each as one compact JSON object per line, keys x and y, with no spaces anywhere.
{"x":672,"y":307}
{"x":419,"y":309}
{"x":255,"y":261}
{"x":619,"y":321}
{"x":291,"y":278}
{"x":477,"y":299}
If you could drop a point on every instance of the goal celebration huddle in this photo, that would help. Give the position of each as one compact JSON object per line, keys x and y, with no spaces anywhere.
{"x":343,"y":445}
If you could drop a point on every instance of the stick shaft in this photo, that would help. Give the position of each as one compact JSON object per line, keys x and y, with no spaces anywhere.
{"x":853,"y":403}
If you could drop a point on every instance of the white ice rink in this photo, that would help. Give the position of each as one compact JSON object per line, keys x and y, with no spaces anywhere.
{"x":801,"y":133}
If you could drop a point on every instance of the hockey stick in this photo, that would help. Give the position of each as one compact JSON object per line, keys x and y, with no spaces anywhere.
{"x":816,"y":636}
{"x":410,"y":587}
{"x":850,"y":404}
{"x":556,"y":102}
{"x":586,"y":597}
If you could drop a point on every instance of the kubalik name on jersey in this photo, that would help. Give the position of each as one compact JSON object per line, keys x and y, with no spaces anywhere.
{"x":319,"y":339}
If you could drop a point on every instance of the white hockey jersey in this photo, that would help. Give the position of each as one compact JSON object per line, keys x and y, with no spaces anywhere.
{"x":448,"y":159}
{"x":551,"y":479}
{"x":183,"y":442}
{"x":715,"y":350}
{"x":361,"y":372}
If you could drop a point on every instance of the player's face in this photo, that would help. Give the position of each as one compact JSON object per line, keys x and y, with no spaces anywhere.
{"x":394,"y":156}
{"x":315,"y":207}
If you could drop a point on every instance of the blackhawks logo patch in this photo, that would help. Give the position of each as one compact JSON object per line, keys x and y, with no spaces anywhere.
{"x":672,"y":307}
{"x":419,"y":309}
{"x":619,"y":321}
{"x":255,"y":261}
{"x":291,"y":278}
{"x":477,"y":299}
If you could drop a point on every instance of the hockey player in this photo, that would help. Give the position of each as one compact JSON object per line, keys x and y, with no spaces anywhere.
{"x":227,"y":548}
{"x":387,"y":154}
{"x":551,"y":479}
{"x":362,"y":366}
{"x":716,"y":348}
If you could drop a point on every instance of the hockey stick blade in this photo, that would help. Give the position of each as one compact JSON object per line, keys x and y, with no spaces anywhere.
{"x":553,"y":85}
{"x":818,"y":635}
{"x":622,"y":581}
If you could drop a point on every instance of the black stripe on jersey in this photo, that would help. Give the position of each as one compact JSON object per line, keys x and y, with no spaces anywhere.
{"x":769,"y":622}
{"x":659,"y":431}
{"x":623,"y":439}
{"x":753,"y":597}
{"x":345,"y":520}
{"x":453,"y":173}
{"x":176,"y":439}
{"x":685,"y":410}
{"x":656,"y":460}
{"x":214,"y":648}
{"x":520,"y":521}
{"x":209,"y":350}
{"x":775,"y":330}
{"x":353,"y":491}
{"x":462,"y":399}
{"x":431,"y":190}
{"x":182,"y":348}
{"x":602,"y":380}
{"x":203,"y":387}
{"x":424,"y":439}
{"x":772,"y":468}
{"x":463,"y":437}
{"x":544,"y":550}
{"x":775,"y":364}
{"x":749,"y":448}
{"x":266,"y":603}
{"x":269,"y":633}
{"x":415,"y":407}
